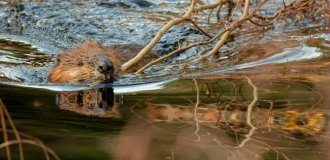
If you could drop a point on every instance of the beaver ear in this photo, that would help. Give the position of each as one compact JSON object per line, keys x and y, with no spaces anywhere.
{"x":93,"y":43}
{"x":58,"y":59}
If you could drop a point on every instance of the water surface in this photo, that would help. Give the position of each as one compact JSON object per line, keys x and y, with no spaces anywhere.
{"x":268,"y":100}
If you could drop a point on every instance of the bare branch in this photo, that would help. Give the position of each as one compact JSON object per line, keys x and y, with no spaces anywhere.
{"x":159,"y":35}
{"x":208,"y":6}
{"x":178,"y":51}
{"x":246,"y":8}
{"x":296,"y":8}
{"x":228,"y":33}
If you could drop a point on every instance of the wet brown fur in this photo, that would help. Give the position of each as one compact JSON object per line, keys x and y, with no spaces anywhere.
{"x":79,"y":65}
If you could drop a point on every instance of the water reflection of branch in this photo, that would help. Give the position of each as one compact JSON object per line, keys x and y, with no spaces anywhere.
{"x":195,"y":111}
{"x":249,"y":113}
{"x":228,"y":105}
{"x":232,"y":100}
{"x":223,"y":146}
{"x":134,"y":113}
{"x":270,"y":111}
{"x":255,"y":154}
{"x":321,"y":98}
{"x":274,"y":149}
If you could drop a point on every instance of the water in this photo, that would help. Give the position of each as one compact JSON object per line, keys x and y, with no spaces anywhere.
{"x":161,"y":124}
{"x":198,"y":113}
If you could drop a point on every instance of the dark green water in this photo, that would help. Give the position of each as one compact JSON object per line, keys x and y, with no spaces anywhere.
{"x":156,"y":124}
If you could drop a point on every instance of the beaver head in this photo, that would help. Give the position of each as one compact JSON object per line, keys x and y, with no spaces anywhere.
{"x":88,"y":63}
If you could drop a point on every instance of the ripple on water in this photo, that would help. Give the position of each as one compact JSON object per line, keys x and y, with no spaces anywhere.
{"x":288,"y":55}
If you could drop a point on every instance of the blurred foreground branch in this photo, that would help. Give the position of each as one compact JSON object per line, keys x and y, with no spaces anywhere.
{"x":5,"y":116}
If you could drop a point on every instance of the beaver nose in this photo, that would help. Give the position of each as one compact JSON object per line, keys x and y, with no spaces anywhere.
{"x":105,"y":66}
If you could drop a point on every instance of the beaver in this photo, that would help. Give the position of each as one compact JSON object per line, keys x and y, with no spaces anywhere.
{"x":92,"y":62}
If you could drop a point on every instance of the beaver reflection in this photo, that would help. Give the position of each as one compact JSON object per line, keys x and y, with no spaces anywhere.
{"x":93,"y":102}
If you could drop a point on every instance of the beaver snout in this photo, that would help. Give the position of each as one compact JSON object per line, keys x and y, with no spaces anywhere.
{"x":105,"y":67}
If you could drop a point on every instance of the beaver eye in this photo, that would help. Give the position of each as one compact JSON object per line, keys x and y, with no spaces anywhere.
{"x":80,"y":64}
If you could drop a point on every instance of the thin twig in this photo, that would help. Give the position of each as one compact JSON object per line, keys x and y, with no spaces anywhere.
{"x":232,"y":15}
{"x":179,"y":50}
{"x":209,"y":16}
{"x":234,"y":26}
{"x":218,"y":12}
{"x":200,"y":29}
{"x":208,"y":6}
